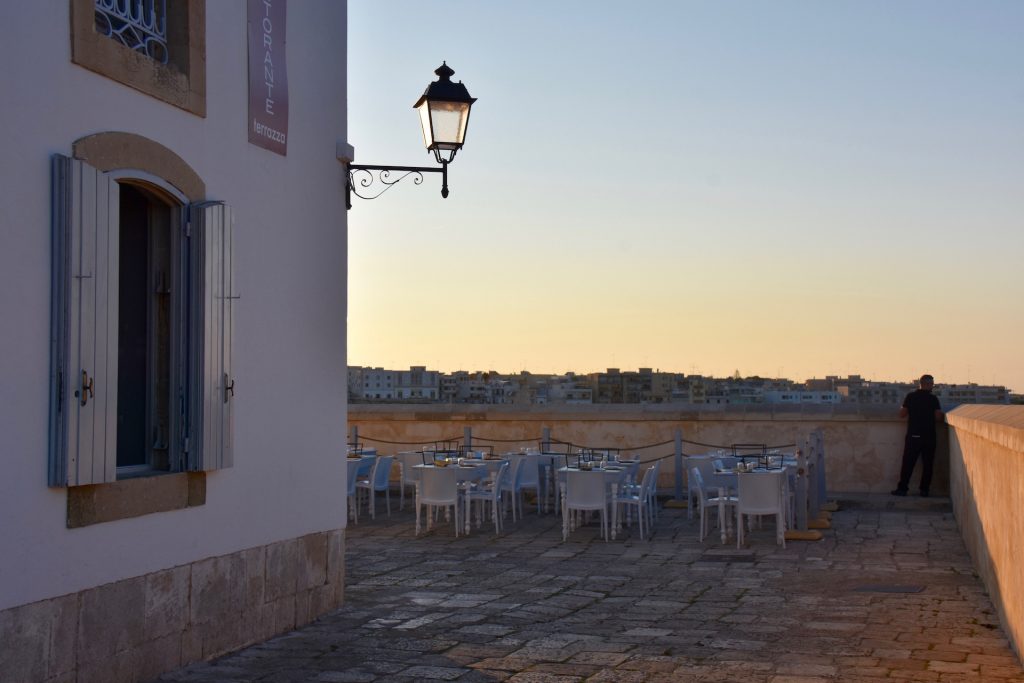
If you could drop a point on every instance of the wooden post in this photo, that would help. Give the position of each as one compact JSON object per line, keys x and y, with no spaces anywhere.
{"x":467,"y":437}
{"x":806,"y":484}
{"x":679,"y":464}
{"x":545,"y":439}
{"x":680,"y":498}
{"x":801,"y":490}
{"x":810,"y":447}
{"x":819,"y":435}
{"x":355,"y":436}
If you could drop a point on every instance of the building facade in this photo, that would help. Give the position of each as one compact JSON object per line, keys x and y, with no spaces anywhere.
{"x":419,"y":384}
{"x":372,"y":384}
{"x":174,"y":288}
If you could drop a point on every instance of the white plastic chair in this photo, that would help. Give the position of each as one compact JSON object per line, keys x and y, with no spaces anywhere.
{"x":652,"y":491}
{"x":530,"y":480}
{"x":380,"y":480}
{"x":408,"y":476}
{"x":762,"y":493}
{"x":487,"y":493}
{"x":630,"y":470}
{"x":437,"y":487}
{"x":638,"y":497}
{"x":693,"y":492}
{"x":584,"y":492}
{"x":513,"y":484}
{"x":350,"y":498}
{"x":360,"y":474}
{"x":710,"y":498}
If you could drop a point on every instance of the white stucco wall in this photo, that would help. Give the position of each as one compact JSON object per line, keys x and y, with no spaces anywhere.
{"x":290,"y":265}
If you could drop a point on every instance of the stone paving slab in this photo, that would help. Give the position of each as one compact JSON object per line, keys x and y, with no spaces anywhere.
{"x":525,"y":607}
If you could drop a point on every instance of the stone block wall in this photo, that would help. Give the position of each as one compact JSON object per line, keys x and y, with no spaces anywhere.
{"x":986,"y":455}
{"x":138,"y":628}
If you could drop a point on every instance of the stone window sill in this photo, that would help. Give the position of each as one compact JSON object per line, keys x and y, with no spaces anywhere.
{"x":99,"y":503}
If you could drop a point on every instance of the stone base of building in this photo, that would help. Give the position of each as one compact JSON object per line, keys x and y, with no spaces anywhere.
{"x":138,"y":628}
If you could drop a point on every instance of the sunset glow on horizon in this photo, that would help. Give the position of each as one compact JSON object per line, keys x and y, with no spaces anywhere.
{"x":780,"y":189}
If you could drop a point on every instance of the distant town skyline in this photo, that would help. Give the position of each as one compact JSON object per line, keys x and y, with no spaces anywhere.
{"x":781,"y":188}
{"x":421,"y":384}
{"x":736,"y":373}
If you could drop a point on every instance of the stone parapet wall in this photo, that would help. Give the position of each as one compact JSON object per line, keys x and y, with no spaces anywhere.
{"x":138,"y":628}
{"x":986,"y":453}
{"x":864,"y":449}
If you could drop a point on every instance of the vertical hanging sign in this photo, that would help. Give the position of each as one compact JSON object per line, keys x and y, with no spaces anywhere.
{"x":268,"y":76}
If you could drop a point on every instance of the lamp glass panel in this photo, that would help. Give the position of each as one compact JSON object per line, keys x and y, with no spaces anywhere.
{"x":425,"y":124}
{"x":449,"y":119}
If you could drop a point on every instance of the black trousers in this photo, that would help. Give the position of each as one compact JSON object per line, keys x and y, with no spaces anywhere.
{"x":917,"y":445}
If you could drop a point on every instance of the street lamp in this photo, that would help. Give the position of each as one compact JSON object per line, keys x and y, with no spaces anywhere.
{"x":444,"y":115}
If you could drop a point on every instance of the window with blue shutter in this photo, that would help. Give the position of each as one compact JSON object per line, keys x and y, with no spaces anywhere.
{"x":213,"y":297}
{"x":83,"y":439}
{"x":141,"y":374}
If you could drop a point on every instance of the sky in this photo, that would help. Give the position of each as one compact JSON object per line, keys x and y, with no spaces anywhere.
{"x":784,"y":189}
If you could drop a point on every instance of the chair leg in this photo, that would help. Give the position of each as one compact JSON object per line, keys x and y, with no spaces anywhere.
{"x":565,"y":522}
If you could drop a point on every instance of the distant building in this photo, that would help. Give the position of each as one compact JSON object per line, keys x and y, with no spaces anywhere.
{"x":570,"y":390}
{"x":804,"y":397}
{"x":372,"y":384}
{"x":418,"y":384}
{"x":952,"y":395}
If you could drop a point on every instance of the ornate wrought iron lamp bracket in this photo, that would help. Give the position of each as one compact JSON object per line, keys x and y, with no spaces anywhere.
{"x":366,"y":175}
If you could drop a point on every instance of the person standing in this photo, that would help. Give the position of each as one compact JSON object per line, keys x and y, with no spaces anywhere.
{"x":922,"y":411}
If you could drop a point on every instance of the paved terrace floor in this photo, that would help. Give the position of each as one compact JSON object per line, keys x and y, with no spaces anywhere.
{"x":526,"y":607}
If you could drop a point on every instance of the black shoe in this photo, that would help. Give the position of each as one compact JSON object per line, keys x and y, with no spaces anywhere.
{"x":899,"y":492}
{"x":924,"y":494}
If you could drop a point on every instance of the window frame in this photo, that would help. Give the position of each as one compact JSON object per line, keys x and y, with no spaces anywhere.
{"x":177,"y":205}
{"x":181,"y":82}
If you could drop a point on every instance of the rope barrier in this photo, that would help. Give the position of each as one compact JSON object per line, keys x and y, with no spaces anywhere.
{"x":484,"y":438}
{"x":573,"y":445}
{"x":614,"y":448}
{"x":664,"y":457}
{"x":729,"y":447}
{"x":406,"y":443}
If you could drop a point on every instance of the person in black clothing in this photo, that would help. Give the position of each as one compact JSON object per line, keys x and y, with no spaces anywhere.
{"x":922,"y":411}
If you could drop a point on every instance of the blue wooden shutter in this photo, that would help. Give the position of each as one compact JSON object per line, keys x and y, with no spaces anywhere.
{"x":83,"y":406}
{"x":212,"y":385}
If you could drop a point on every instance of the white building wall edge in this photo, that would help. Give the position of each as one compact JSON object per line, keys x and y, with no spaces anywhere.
{"x":290,"y":265}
